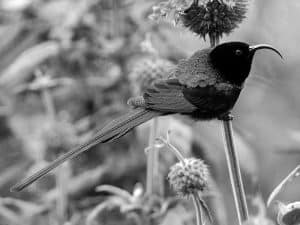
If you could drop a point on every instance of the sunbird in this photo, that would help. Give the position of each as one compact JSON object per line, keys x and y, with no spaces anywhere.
{"x":205,"y":86}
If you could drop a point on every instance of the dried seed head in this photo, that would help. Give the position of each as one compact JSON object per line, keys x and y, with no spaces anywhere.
{"x":189,"y":177}
{"x":145,"y":71}
{"x":289,"y":214}
{"x":58,"y":137}
{"x":214,"y":18}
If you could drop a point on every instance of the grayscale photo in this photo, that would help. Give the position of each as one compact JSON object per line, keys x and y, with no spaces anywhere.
{"x":149,"y":112}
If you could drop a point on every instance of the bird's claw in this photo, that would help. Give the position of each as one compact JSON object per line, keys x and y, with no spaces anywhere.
{"x":226,"y":117}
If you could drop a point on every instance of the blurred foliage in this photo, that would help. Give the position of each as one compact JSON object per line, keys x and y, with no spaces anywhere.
{"x":86,"y":51}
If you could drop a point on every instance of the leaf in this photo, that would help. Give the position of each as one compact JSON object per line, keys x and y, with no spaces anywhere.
{"x":292,"y":175}
{"x":15,"y":5}
{"x":125,"y":195}
{"x":27,"y":62}
{"x":92,"y":216}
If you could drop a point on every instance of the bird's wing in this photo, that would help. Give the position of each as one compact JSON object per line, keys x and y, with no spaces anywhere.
{"x":212,"y":97}
{"x":170,"y":96}
{"x":167,"y":96}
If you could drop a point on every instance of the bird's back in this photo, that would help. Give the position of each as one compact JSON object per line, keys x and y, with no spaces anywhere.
{"x":196,"y":70}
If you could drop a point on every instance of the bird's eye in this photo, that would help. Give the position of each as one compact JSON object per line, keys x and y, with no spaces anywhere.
{"x":238,"y":52}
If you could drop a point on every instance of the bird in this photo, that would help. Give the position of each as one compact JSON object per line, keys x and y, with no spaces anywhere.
{"x":205,"y":86}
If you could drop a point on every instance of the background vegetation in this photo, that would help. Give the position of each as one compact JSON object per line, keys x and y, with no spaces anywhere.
{"x":65,"y":69}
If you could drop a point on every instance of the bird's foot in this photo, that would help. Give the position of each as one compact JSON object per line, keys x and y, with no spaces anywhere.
{"x":226,"y":117}
{"x":136,"y":102}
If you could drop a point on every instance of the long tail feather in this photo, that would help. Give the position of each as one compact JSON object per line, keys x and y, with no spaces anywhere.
{"x":115,"y":129}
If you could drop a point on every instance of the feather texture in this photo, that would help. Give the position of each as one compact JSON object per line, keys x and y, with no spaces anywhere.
{"x":197,"y":70}
{"x":204,"y":86}
{"x":167,"y":96}
{"x":111,"y":131}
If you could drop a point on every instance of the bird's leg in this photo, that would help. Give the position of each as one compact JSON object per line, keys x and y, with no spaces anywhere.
{"x":226,"y":117}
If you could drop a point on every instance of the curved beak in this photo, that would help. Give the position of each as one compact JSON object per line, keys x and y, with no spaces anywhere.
{"x":254,"y":48}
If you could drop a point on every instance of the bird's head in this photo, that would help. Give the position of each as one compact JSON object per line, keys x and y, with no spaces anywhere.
{"x":234,"y":59}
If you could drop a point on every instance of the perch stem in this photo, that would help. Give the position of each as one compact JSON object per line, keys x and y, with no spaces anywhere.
{"x":232,"y":160}
{"x":152,"y":158}
{"x":234,"y":171}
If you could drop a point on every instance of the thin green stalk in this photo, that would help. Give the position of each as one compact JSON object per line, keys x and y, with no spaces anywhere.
{"x":197,"y":209}
{"x":155,"y":151}
{"x":63,"y":173}
{"x":233,"y":161}
{"x":62,"y":177}
{"x":235,"y":172}
{"x":49,"y":104}
{"x":152,"y":158}
{"x":176,"y":152}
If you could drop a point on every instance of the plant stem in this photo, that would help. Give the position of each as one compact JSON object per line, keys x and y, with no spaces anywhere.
{"x":234,"y":171}
{"x":197,"y":209}
{"x":49,"y":104}
{"x":63,"y":173}
{"x":62,"y":177}
{"x":152,"y":158}
{"x":176,"y":152}
{"x":233,"y":161}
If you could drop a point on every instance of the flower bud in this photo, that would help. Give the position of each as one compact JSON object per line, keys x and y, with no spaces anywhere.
{"x":289,"y":214}
{"x":147,"y":70}
{"x":189,"y":177}
{"x":59,"y":137}
{"x":214,"y":18}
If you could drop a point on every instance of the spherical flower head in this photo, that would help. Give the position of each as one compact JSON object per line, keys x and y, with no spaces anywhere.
{"x":189,"y":177}
{"x":214,"y":18}
{"x":289,"y":214}
{"x":146,"y":71}
{"x":58,"y":137}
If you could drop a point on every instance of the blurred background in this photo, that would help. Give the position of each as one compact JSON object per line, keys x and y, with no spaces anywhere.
{"x":68,"y":67}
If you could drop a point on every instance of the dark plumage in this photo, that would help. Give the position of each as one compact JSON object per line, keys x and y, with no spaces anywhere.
{"x":205,"y":86}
